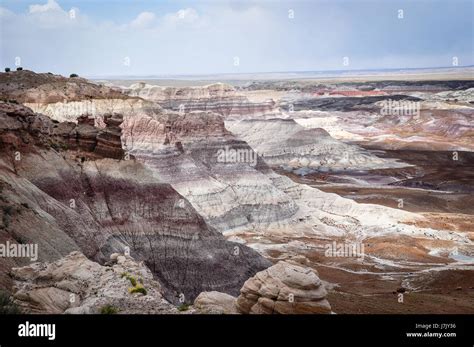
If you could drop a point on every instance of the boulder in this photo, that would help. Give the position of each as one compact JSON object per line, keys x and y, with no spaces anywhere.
{"x":285,"y":288}
{"x":75,"y":284}
{"x":215,"y":303}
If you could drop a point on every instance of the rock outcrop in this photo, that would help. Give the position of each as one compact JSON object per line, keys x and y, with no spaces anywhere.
{"x":221,"y":98}
{"x":284,"y":142}
{"x":101,"y":206}
{"x":21,"y":129}
{"x":109,"y":139}
{"x":27,"y":86}
{"x":215,"y":303}
{"x":182,"y":148}
{"x":74,"y":284}
{"x":284,"y":288}
{"x":189,"y":151}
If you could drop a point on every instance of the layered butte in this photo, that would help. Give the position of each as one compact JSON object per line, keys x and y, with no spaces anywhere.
{"x":219,"y":97}
{"x":66,"y":199}
{"x":285,"y":142}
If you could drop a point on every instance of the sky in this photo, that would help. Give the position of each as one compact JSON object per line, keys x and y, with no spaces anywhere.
{"x":152,"y":37}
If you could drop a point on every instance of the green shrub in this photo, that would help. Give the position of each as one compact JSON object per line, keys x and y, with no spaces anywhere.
{"x":138,"y":289}
{"x":7,"y":69}
{"x":108,"y":309}
{"x":183,"y":307}
{"x":73,"y":75}
{"x":7,"y":306}
{"x":132,"y":279}
{"x":19,"y":68}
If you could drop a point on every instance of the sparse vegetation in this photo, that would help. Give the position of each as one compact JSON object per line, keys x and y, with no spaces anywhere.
{"x":183,"y":307}
{"x":108,"y":309}
{"x":19,"y":69}
{"x":73,"y":75}
{"x":138,"y":289}
{"x":7,"y":306}
{"x":7,"y":69}
{"x":132,"y":279}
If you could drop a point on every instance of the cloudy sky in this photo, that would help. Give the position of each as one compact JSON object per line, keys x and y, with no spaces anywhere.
{"x":151,"y":37}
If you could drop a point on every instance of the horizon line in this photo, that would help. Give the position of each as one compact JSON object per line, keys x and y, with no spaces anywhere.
{"x":171,"y":76}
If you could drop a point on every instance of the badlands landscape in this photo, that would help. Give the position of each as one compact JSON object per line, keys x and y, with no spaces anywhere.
{"x":311,"y":195}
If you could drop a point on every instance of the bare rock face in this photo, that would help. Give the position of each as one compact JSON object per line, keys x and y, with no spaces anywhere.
{"x":74,"y":284}
{"x":284,"y":142}
{"x":28,"y":86}
{"x":218,"y":97}
{"x":284,"y":288}
{"x":22,"y":129}
{"x":189,"y":151}
{"x":108,"y":139}
{"x":215,"y":303}
{"x":100,"y":206}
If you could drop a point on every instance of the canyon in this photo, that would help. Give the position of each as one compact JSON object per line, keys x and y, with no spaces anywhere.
{"x":113,"y":169}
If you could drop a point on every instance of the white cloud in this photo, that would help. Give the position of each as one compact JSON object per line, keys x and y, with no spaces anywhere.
{"x":143,"y":20}
{"x":52,"y":15}
{"x":51,"y":5}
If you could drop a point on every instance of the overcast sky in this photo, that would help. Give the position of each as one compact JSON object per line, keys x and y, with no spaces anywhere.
{"x":150,"y":37}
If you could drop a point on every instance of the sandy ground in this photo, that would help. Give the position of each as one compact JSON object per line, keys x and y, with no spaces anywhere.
{"x":410,"y":278}
{"x":415,"y":282}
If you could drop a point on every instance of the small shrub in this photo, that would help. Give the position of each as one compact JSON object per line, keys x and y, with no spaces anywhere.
{"x":138,"y":289}
{"x":183,"y":307}
{"x":73,"y":75}
{"x":7,"y":69}
{"x":19,"y":69}
{"x":7,"y":306}
{"x":108,"y":309}
{"x":132,"y":279}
